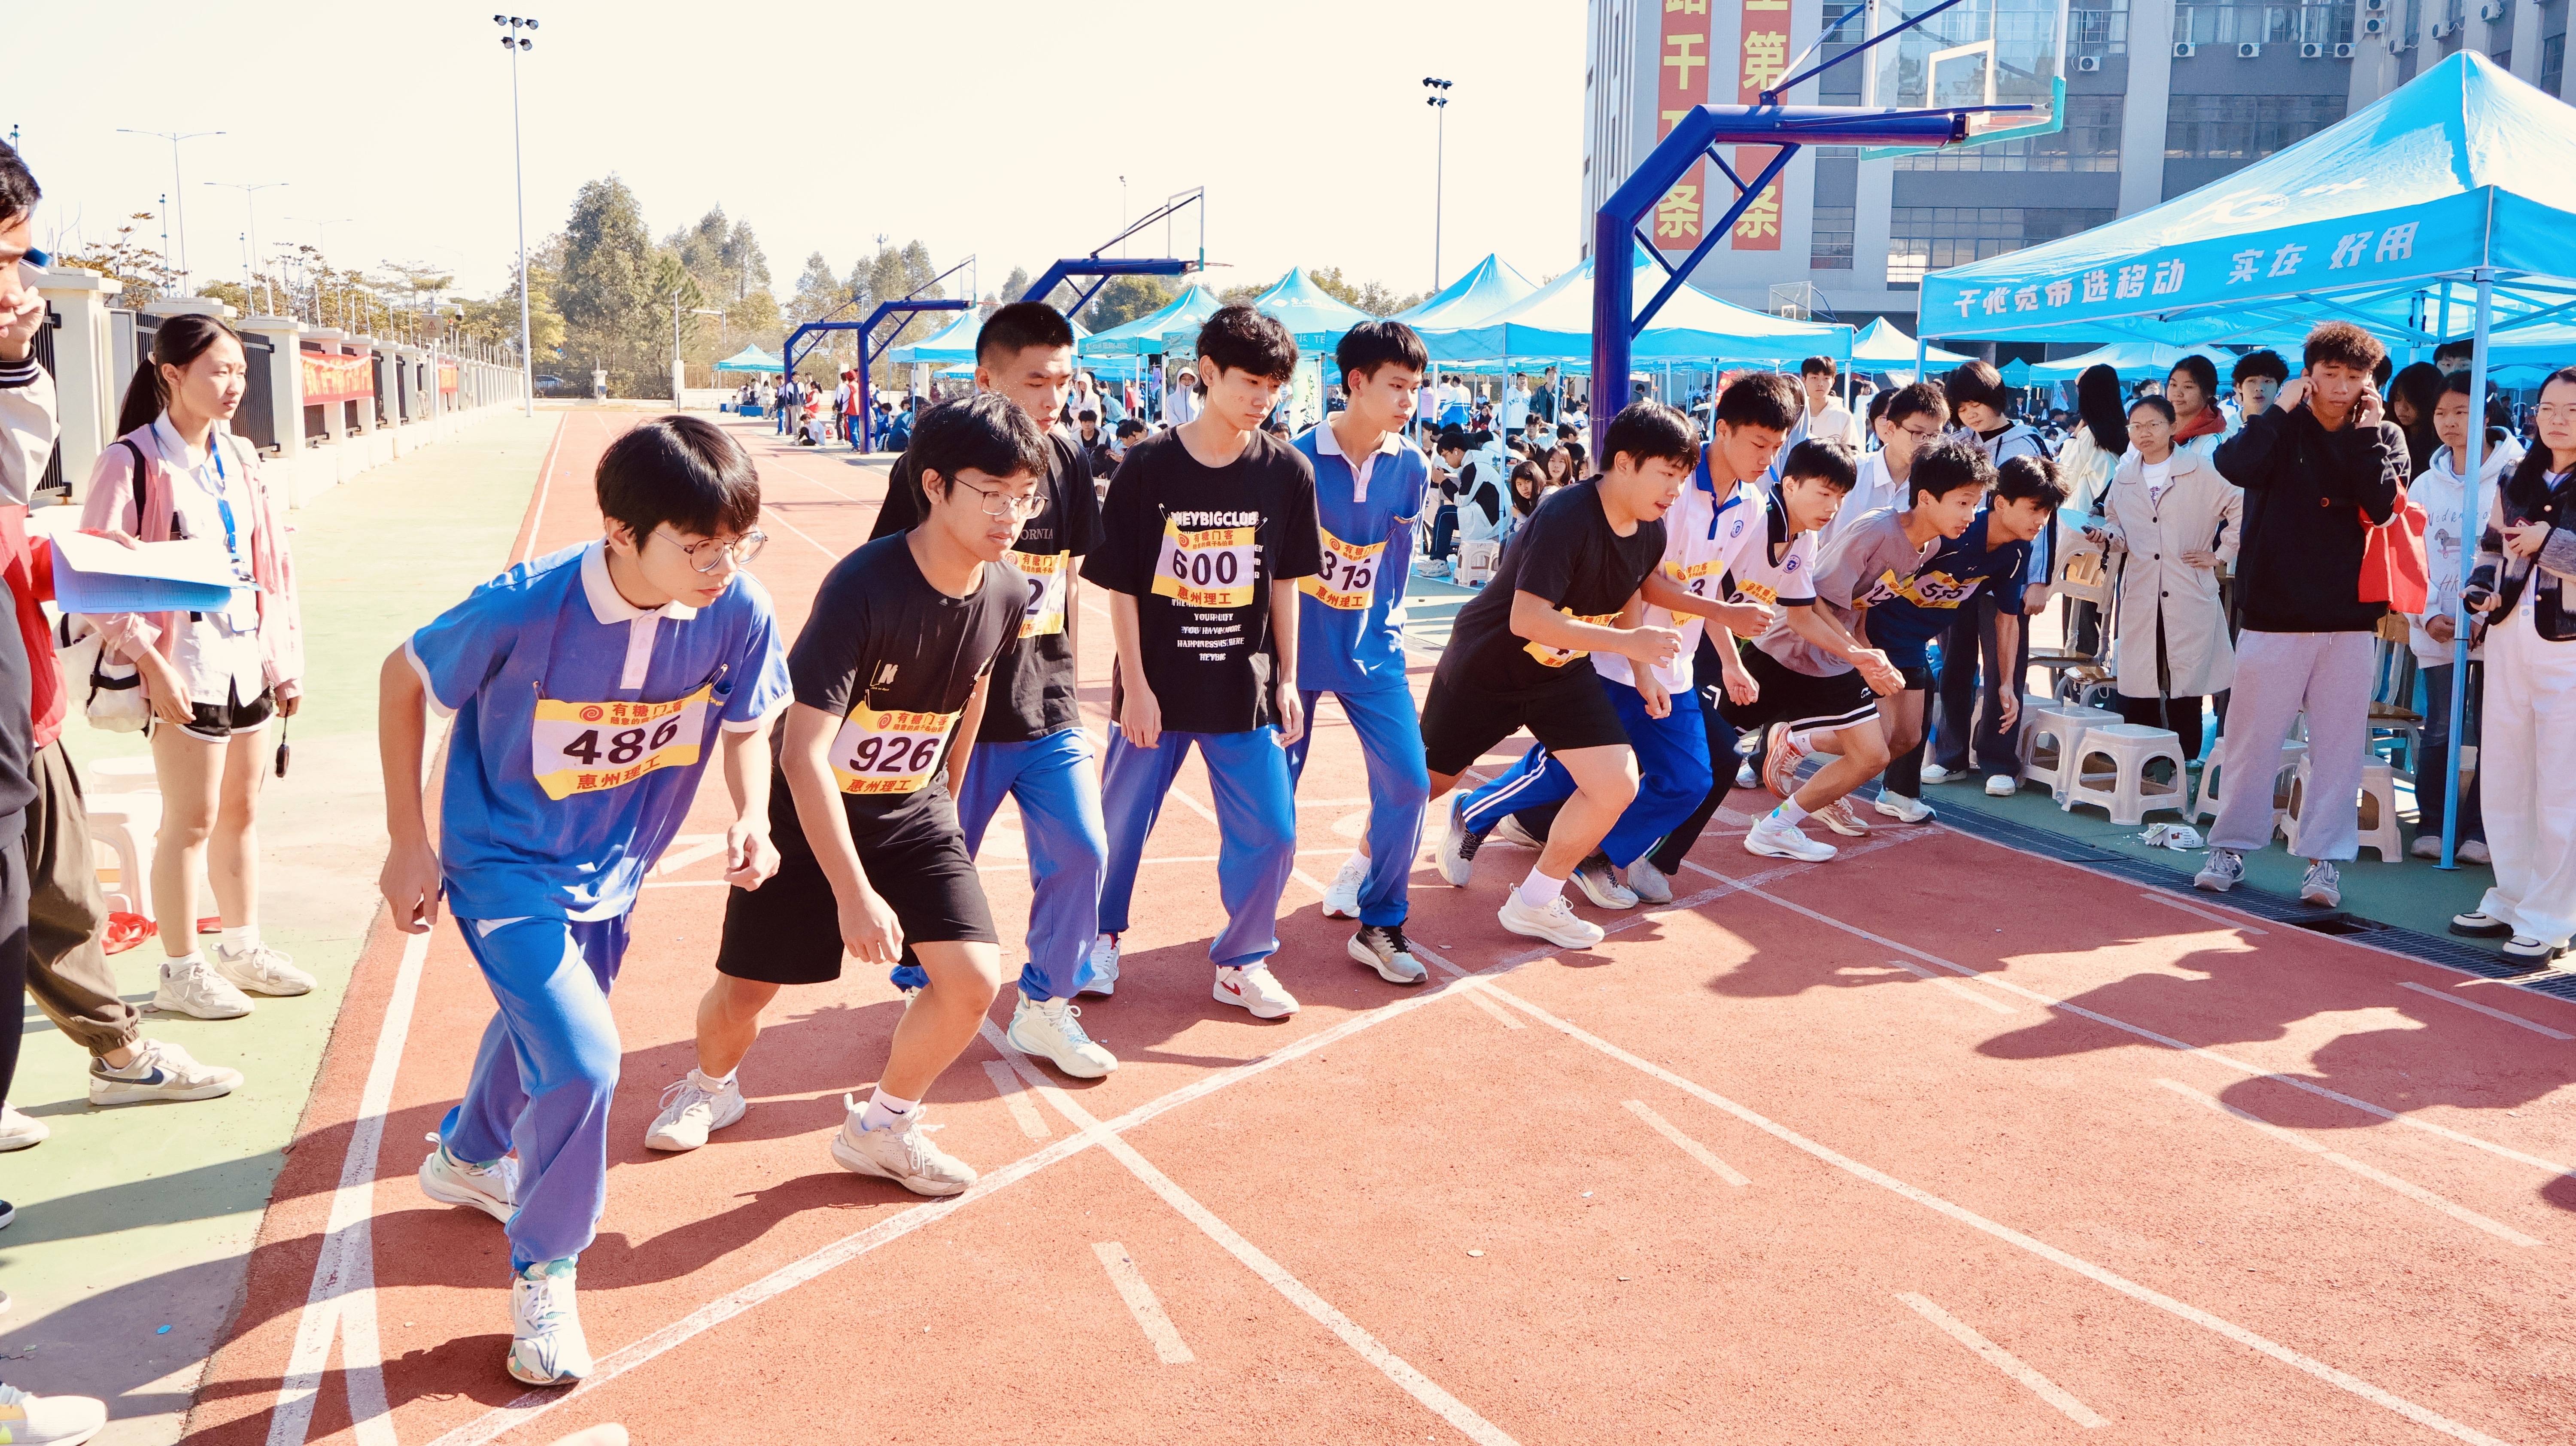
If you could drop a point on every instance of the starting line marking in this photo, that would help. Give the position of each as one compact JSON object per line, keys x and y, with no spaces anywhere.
{"x":1664,"y":1127}
{"x":1138,"y":1295}
{"x":1953,"y":986}
{"x":1007,"y":1085}
{"x":1477,"y":998}
{"x":2450,"y":998}
{"x":2003,"y":1360}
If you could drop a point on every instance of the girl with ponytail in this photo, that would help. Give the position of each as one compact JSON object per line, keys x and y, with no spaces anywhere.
{"x":213,"y":679}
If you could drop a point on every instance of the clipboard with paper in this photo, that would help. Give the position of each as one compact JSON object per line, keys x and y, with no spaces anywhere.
{"x":96,"y":575}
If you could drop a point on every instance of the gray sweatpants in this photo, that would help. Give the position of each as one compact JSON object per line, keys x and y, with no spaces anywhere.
{"x":2279,"y":676}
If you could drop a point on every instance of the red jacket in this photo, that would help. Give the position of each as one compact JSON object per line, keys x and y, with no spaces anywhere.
{"x":29,"y":571}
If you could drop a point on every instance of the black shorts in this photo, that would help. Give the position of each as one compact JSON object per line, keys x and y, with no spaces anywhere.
{"x":1460,"y":724}
{"x":217,"y":722}
{"x":1801,"y":700}
{"x":788,"y":931}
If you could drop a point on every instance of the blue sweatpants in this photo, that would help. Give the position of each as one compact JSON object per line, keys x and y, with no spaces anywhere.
{"x":1256,"y":819}
{"x":1672,"y":764}
{"x":1398,"y":783}
{"x":544,"y":1076}
{"x":1068,"y":850}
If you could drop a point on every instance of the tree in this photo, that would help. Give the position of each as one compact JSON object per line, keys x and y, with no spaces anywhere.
{"x":606,"y":289}
{"x":1234,"y":295}
{"x":1126,"y":298}
{"x":130,"y":261}
{"x":1374,"y":298}
{"x":1017,"y":285}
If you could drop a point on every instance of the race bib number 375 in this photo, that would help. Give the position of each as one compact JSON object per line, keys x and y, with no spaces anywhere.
{"x":880,"y":752}
{"x":589,"y":747}
{"x":1211,"y":568}
{"x":1349,"y":578}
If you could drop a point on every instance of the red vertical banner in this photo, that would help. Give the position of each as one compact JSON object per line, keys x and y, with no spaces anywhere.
{"x":1762,"y":60}
{"x":1681,"y":82}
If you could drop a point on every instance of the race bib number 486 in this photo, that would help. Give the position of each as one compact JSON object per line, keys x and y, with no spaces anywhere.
{"x":1046,"y":572}
{"x":880,"y":752}
{"x":1349,"y":577}
{"x":589,"y":747}
{"x":1211,"y":568}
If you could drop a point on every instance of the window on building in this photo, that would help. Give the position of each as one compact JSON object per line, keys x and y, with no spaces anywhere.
{"x":2553,"y":62}
{"x":2244,"y":127}
{"x":1829,"y":245}
{"x":2098,"y":27}
{"x":2090,"y":141}
{"x":2326,"y":23}
{"x":1929,"y":238}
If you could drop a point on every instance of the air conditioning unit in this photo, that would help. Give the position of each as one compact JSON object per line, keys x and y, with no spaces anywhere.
{"x":2373,"y":25}
{"x":2374,"y":5}
{"x":2088,"y":64}
{"x":2491,"y":12}
{"x":2185,"y":50}
{"x":2442,"y":28}
{"x":2248,"y":51}
{"x":2343,"y":51}
{"x":2311,"y":50}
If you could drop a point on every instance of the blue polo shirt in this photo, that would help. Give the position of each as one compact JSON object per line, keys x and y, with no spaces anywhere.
{"x":1350,"y":616}
{"x":1922,"y":607}
{"x":582,"y":725}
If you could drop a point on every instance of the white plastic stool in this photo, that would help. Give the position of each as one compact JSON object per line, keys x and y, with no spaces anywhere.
{"x":2122,"y":786}
{"x":2376,"y":821}
{"x":1476,"y":562}
{"x":133,"y":773}
{"x":121,"y":821}
{"x":2292,"y":756}
{"x":2063,"y":726}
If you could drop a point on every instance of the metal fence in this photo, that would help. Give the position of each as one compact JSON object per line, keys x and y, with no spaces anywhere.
{"x":53,"y":478}
{"x":257,"y":418}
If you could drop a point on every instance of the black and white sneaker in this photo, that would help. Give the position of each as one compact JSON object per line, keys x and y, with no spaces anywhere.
{"x":2222,"y":872}
{"x":1458,"y":846}
{"x":1382,"y":947}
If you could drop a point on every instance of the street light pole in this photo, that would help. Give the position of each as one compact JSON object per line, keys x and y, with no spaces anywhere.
{"x":178,"y":185}
{"x":1439,"y":102}
{"x":515,"y":43}
{"x":250,"y":198}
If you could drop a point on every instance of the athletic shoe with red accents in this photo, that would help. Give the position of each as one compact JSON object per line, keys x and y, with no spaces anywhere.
{"x":1781,"y":761}
{"x":1839,"y":817}
{"x":1253,"y":987}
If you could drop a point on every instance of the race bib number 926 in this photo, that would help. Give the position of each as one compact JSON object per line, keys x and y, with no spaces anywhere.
{"x":882,"y":752}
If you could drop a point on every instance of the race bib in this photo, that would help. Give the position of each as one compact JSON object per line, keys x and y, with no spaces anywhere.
{"x":1212,"y":568}
{"x":888,"y":753}
{"x":592,"y":747}
{"x":1559,"y":657}
{"x":1928,"y":589}
{"x":1349,"y":577}
{"x":1046,"y":572}
{"x":1758,"y":592}
{"x":1699,"y":579}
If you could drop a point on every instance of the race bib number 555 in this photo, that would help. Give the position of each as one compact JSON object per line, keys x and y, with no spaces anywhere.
{"x":1211,"y":568}
{"x":589,"y":747}
{"x":879,"y":752}
{"x":1349,"y":577}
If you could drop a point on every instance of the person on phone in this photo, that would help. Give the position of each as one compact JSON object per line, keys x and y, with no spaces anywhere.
{"x":2319,"y":467}
{"x":2160,"y":515}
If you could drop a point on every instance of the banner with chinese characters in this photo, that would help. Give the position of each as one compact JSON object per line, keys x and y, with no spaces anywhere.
{"x":330,"y":378}
{"x":447,"y":376}
{"x":1681,"y":83}
{"x":1762,"y":57}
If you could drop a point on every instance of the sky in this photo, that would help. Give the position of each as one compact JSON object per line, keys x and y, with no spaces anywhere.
{"x":990,"y":128}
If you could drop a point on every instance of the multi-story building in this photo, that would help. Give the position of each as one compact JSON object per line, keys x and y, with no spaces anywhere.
{"x":2162,"y":97}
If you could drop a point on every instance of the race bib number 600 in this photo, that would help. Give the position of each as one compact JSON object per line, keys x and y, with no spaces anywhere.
{"x":879,"y":752}
{"x":1349,"y":577}
{"x":1211,"y":568}
{"x":589,"y":747}
{"x":1046,"y":572}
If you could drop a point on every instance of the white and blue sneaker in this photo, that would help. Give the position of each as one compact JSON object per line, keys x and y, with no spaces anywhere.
{"x":492,"y":1189}
{"x":1051,"y":1030}
{"x":159,"y":1071}
{"x":1383,"y":947}
{"x":1342,"y":900}
{"x":546,"y":1344}
{"x":1100,"y":972}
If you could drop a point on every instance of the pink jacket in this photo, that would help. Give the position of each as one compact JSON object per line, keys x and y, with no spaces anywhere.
{"x":110,"y":505}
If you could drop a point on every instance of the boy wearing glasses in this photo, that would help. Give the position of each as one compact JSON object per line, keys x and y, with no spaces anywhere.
{"x":589,"y":688}
{"x":890,"y":674}
{"x":1903,"y":422}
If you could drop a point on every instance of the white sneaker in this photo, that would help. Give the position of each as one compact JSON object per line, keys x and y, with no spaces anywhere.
{"x":1601,"y":886}
{"x":1557,"y":923}
{"x":900,"y":1152}
{"x":1935,"y":773}
{"x":18,"y":1131}
{"x":546,"y":1344}
{"x":1509,"y":831}
{"x":160,"y":1071}
{"x":1457,"y":846}
{"x":49,"y":1420}
{"x":1839,"y":817}
{"x":2224,"y":870}
{"x":197,"y":991}
{"x":2001,"y":786}
{"x":1745,"y":777}
{"x":1051,"y":1029}
{"x":1342,"y":900}
{"x":1771,"y":838}
{"x":691,"y":1112}
{"x":1100,"y":978}
{"x":1255,"y":988}
{"x":1649,"y":883}
{"x":2322,"y":887}
{"x":1383,"y":947}
{"x":1902,"y":809}
{"x":262,"y":970}
{"x":492,"y":1189}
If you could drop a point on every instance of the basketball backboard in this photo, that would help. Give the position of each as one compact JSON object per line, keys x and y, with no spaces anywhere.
{"x":1975,"y":53}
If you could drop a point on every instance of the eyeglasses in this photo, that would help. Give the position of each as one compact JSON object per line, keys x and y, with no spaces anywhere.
{"x":1002,"y":505}
{"x":705,"y":555}
{"x":1918,"y":434}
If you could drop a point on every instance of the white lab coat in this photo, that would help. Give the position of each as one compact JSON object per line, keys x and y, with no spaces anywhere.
{"x":2196,"y":507}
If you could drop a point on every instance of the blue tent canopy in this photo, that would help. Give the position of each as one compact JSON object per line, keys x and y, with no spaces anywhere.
{"x":1885,"y":343}
{"x":1490,"y":287}
{"x":1149,"y":335}
{"x":1554,"y":324}
{"x":1314,"y":316}
{"x":751,"y":359}
{"x":953,"y":346}
{"x":2131,"y":359}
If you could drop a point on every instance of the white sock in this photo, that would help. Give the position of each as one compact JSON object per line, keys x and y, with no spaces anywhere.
{"x":244,"y":938}
{"x":1538,"y":889}
{"x":1789,"y":813}
{"x":1803,"y":738}
{"x":710,"y":1083}
{"x":173,"y":967}
{"x":885,"y":1111}
{"x":1359,"y":859}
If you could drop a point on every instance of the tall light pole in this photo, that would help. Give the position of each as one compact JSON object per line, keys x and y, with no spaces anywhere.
{"x":250,"y":198}
{"x":516,"y":43}
{"x":178,"y":187}
{"x":1439,"y":103}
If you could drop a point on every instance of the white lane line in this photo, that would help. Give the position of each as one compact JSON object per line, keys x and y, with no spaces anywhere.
{"x":2169,"y":901}
{"x":2448,"y":997}
{"x":2004,"y":1361}
{"x":545,"y":484}
{"x":2421,"y":1415}
{"x":1369,"y":1348}
{"x":2376,"y":1176}
{"x":698,"y":846}
{"x":686,"y":884}
{"x":1007,"y":1085}
{"x":1138,"y":1295}
{"x":530,"y":1405}
{"x":1687,"y":1145}
{"x":2254,"y":1070}
{"x":342,"y":1300}
{"x":801,"y":532}
{"x":1954,"y":987}
{"x":1477,"y":998}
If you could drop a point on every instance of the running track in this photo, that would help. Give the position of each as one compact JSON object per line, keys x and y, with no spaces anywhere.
{"x":1938,"y":1142}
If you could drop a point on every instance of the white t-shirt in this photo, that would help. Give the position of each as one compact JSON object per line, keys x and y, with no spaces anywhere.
{"x":1779,"y":570}
{"x":1704,"y":533}
{"x":2159,"y":476}
{"x":1514,"y":413}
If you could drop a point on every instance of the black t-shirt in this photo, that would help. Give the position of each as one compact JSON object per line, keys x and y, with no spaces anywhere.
{"x":1034,"y":690}
{"x":1198,"y":548}
{"x":1567,"y":555}
{"x":896,"y":659}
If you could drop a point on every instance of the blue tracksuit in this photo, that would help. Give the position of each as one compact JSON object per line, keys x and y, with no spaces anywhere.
{"x":1248,"y":773}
